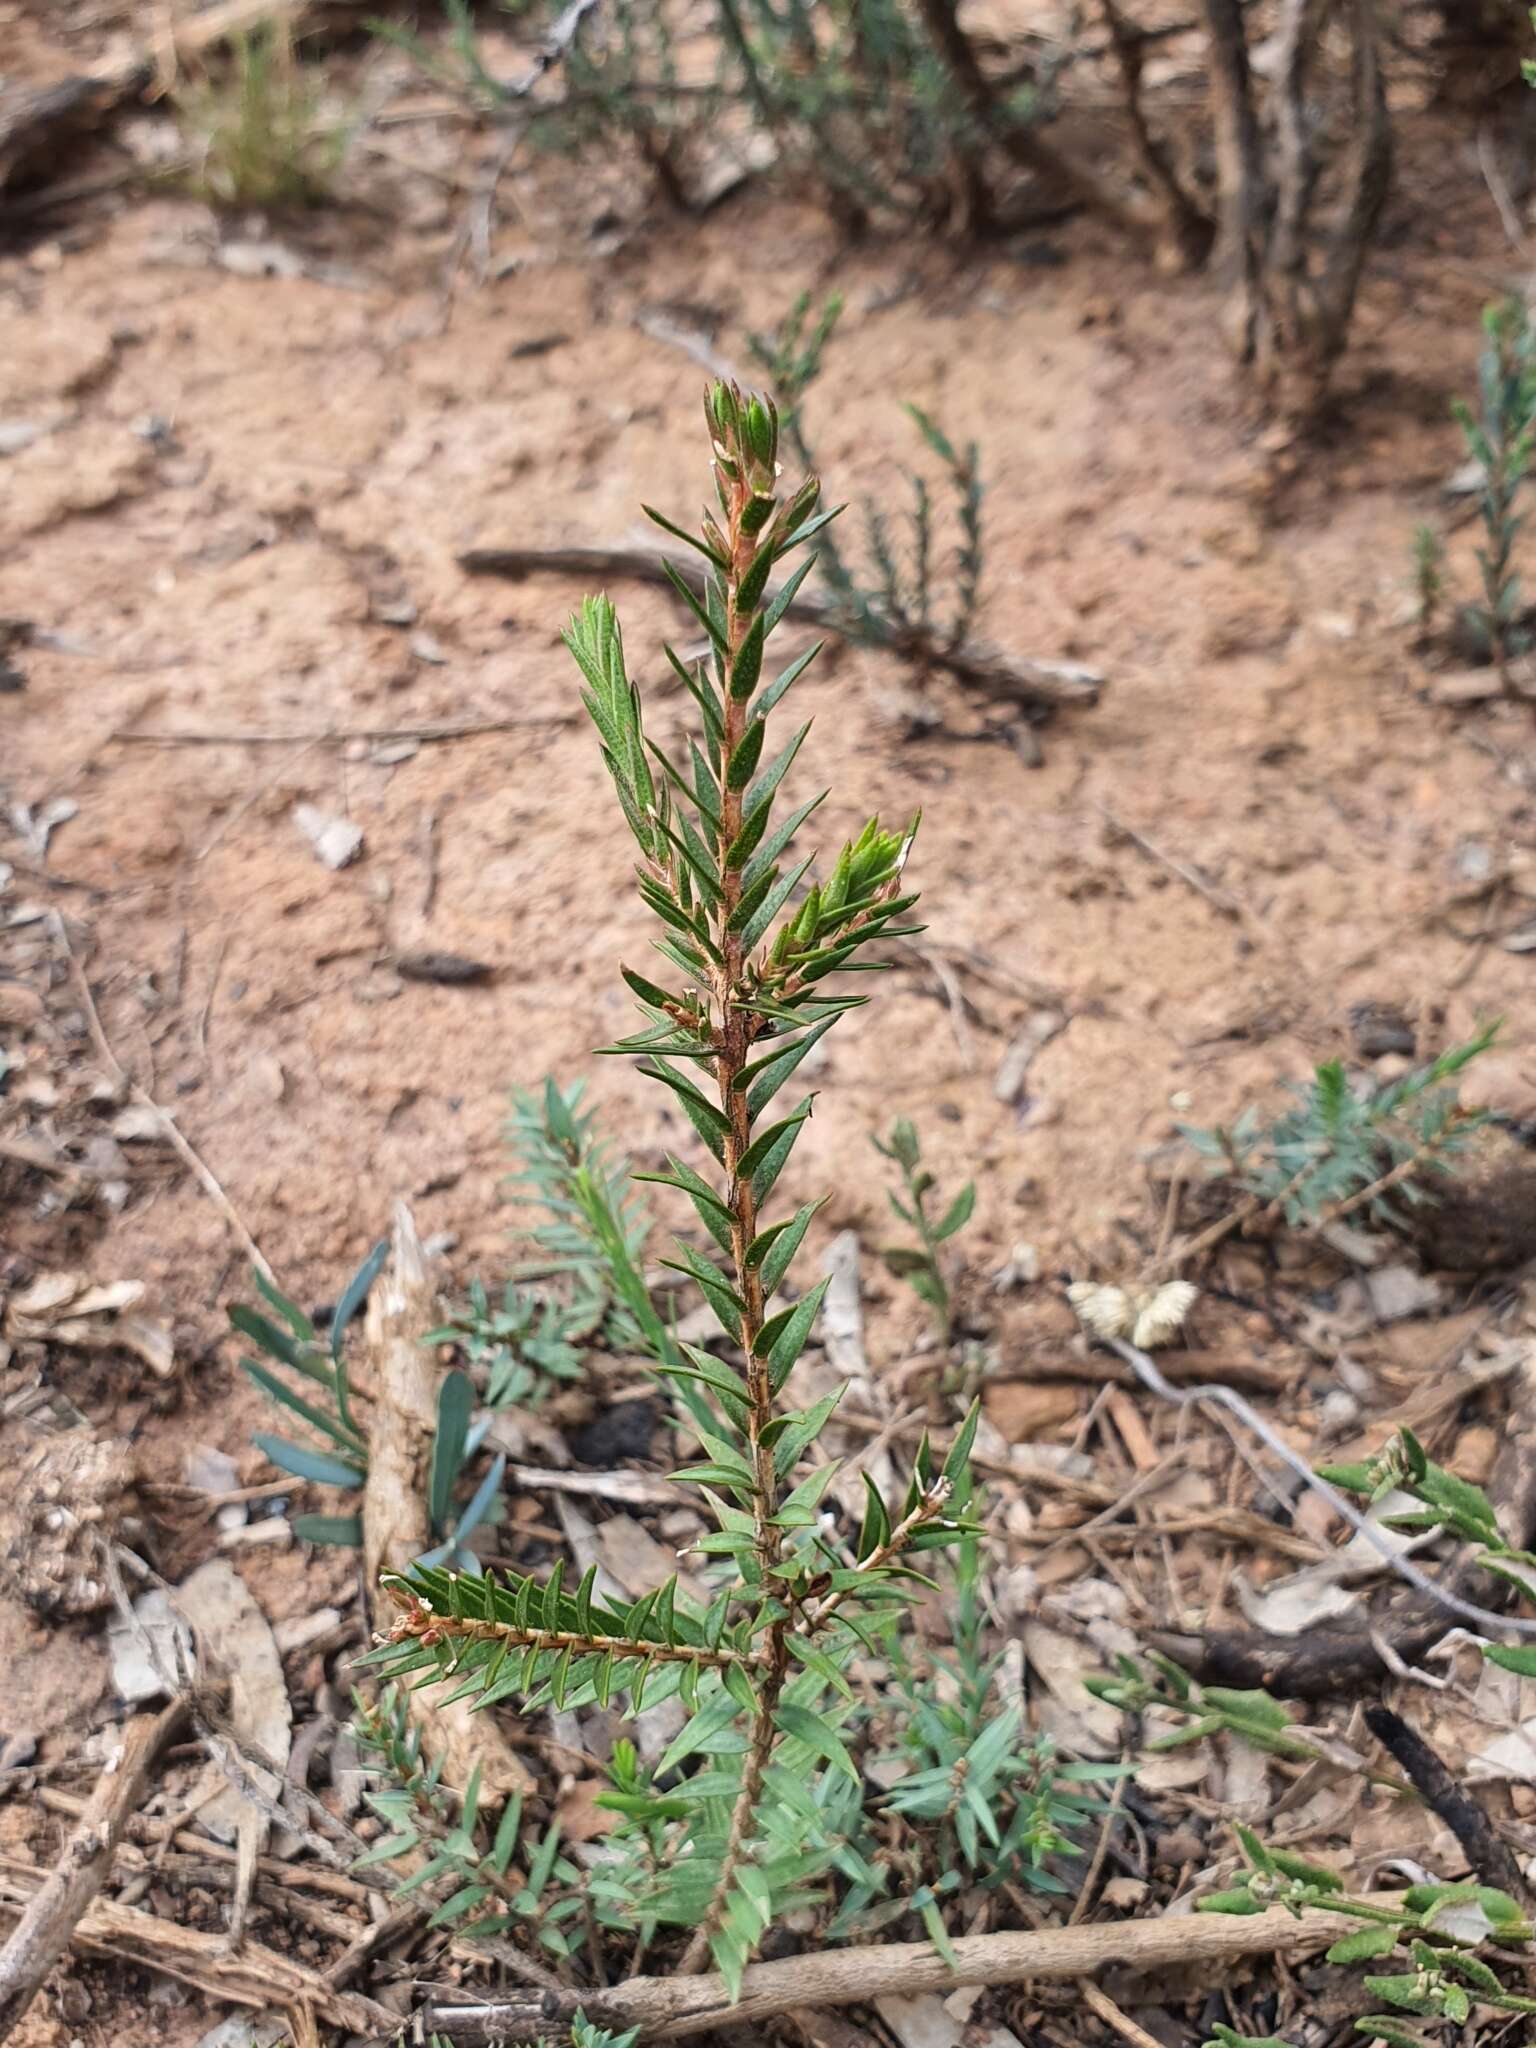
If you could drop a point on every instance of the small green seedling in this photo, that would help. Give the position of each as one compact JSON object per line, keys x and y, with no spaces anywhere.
{"x":921,"y":1265}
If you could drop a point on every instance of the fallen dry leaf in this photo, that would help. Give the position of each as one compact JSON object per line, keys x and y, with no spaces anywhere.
{"x":580,"y":1820}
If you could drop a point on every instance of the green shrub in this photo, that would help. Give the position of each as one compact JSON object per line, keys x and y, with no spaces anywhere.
{"x":760,"y":1808}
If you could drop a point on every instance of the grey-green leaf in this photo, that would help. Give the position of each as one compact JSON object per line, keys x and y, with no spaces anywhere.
{"x":303,"y":1463}
{"x":356,"y":1293}
{"x":455,"y":1403}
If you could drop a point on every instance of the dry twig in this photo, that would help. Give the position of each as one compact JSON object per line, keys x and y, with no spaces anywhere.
{"x":1443,"y":1597}
{"x":257,"y":1976}
{"x":429,"y":735}
{"x":1104,"y":2007}
{"x":1046,"y":684}
{"x":1219,"y":900}
{"x":670,"y":2008}
{"x":624,"y":1489}
{"x":1490,"y":1860}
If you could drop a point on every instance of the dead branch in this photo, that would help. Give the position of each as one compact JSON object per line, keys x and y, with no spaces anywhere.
{"x":1104,"y":2007}
{"x":1017,"y":140}
{"x":671,"y":2008}
{"x":1490,"y":1860}
{"x":1329,"y":1662}
{"x":401,"y":1424}
{"x":1325,"y":1663}
{"x":1036,"y":683}
{"x":1188,"y":229}
{"x":48,"y":1924}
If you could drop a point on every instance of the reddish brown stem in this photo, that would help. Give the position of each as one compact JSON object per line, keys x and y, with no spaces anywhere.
{"x":735,"y":1030}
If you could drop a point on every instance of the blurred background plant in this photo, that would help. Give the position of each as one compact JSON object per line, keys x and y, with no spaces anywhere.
{"x":923,"y":1265}
{"x":892,"y":599}
{"x":1500,"y":434}
{"x":847,"y":98}
{"x":1347,"y":1146}
{"x":261,"y":125}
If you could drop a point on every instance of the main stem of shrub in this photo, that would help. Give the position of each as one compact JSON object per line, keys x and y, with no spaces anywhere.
{"x":737,"y":1029}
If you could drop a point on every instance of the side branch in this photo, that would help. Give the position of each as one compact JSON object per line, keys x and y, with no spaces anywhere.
{"x":428,"y":1628}
{"x":932,"y":1503}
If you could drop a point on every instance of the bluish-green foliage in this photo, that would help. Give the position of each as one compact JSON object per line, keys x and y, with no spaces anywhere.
{"x":1339,"y":1140}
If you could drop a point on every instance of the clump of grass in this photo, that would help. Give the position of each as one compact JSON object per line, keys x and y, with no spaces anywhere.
{"x":261,"y":131}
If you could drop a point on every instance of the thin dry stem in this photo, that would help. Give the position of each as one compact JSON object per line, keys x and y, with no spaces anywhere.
{"x":1404,"y":1170}
{"x":1104,"y":2007}
{"x":1235,"y":1219}
{"x":176,"y":1138}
